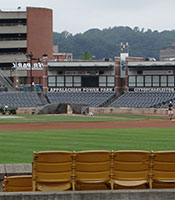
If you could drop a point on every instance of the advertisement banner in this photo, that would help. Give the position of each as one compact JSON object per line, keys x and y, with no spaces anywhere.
{"x":152,"y":90}
{"x":123,"y":57}
{"x":81,"y":90}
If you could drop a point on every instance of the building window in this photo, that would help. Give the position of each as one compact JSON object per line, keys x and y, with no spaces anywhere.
{"x":77,"y":81}
{"x":151,"y":81}
{"x":132,"y":81}
{"x":68,"y":81}
{"x":110,"y":81}
{"x":163,"y":81}
{"x":60,"y":81}
{"x":171,"y":81}
{"x":156,"y":81}
{"x":51,"y":81}
{"x":140,"y":81}
{"x":102,"y":81}
{"x":148,"y":81}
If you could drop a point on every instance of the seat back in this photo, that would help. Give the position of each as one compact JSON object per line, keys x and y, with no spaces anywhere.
{"x":131,"y":168}
{"x":52,"y":170}
{"x":92,"y":167}
{"x":21,"y":183}
{"x":164,"y":169}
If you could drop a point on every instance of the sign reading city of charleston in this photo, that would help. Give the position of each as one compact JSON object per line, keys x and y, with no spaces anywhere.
{"x":153,"y":90}
{"x":27,"y":66}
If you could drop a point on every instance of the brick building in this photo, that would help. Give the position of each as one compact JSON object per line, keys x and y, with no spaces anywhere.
{"x":167,"y":53}
{"x":22,"y":32}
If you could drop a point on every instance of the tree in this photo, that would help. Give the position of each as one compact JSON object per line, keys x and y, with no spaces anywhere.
{"x":103,"y":43}
{"x":86,"y":56}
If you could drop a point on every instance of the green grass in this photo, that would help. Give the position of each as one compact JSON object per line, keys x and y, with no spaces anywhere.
{"x":77,"y":118}
{"x":63,"y":118}
{"x":131,"y":116}
{"x":18,"y":146}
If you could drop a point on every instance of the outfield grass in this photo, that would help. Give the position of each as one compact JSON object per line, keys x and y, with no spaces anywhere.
{"x":18,"y":146}
{"x":75,"y":118}
{"x":131,"y":116}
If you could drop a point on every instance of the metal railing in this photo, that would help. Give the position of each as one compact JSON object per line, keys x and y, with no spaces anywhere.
{"x":13,"y":38}
{"x":12,"y":24}
{"x":4,"y":80}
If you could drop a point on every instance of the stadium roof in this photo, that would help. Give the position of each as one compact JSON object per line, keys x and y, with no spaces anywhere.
{"x":146,"y":64}
{"x":81,"y":64}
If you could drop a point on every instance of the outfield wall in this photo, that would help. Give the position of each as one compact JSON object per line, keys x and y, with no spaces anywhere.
{"x":113,"y":110}
{"x":168,"y":194}
{"x":107,"y":110}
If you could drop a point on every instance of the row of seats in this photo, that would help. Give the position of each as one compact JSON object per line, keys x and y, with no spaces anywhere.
{"x":143,"y":100}
{"x":129,"y":99}
{"x":92,"y":99}
{"x":20,"y":99}
{"x":96,"y":170}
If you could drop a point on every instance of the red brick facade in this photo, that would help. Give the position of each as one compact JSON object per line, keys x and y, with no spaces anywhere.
{"x":39,"y":32}
{"x":39,"y":38}
{"x":121,"y":84}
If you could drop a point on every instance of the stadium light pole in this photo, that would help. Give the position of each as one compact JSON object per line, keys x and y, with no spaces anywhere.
{"x":30,"y":55}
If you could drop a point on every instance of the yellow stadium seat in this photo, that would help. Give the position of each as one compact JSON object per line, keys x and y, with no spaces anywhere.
{"x":52,"y":171}
{"x":164,"y":169}
{"x":131,"y":170}
{"x":92,"y":170}
{"x":22,"y":183}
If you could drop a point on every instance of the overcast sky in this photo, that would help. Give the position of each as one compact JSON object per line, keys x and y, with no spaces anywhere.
{"x":77,"y":16}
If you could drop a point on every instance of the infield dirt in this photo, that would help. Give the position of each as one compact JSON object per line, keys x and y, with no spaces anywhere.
{"x":151,"y":123}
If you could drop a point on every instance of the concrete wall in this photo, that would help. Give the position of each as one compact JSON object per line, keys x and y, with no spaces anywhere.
{"x":24,"y":169}
{"x":13,"y":44}
{"x":14,"y":169}
{"x":12,"y":15}
{"x":10,"y":58}
{"x":27,"y":110}
{"x":106,"y":110}
{"x":150,"y":111}
{"x":92,"y":195}
{"x":13,"y":29}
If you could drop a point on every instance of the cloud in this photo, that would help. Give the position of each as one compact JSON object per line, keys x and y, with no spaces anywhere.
{"x":80,"y":15}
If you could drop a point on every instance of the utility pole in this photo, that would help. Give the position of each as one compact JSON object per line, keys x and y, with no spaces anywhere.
{"x":30,"y":55}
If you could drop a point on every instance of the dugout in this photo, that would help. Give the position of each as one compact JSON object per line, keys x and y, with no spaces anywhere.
{"x":64,"y":108}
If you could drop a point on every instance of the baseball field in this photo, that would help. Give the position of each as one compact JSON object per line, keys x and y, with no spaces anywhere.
{"x":20,"y":135}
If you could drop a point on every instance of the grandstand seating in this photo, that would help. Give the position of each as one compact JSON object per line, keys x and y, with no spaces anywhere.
{"x":20,"y":99}
{"x":98,"y":99}
{"x":164,"y":169}
{"x":143,"y":100}
{"x":132,"y":169}
{"x":92,"y":99}
{"x":129,"y":99}
{"x":52,"y":171}
{"x":92,"y":170}
{"x":21,"y":183}
{"x":97,"y":170}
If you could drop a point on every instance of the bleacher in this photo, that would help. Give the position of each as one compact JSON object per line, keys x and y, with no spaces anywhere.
{"x":143,"y":100}
{"x":19,"y":99}
{"x":92,"y":99}
{"x":129,"y":99}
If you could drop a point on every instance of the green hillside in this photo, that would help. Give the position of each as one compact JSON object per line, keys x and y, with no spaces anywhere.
{"x":105,"y":43}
